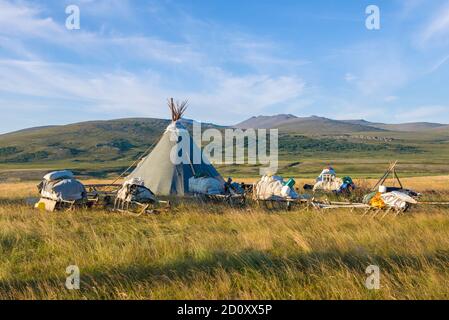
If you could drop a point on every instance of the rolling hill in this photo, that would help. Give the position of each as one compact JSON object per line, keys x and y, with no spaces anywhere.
{"x":444,"y":129}
{"x":316,"y":124}
{"x":402,"y":127}
{"x":93,"y":141}
{"x":266,"y":122}
{"x":304,"y":125}
{"x":110,"y":146}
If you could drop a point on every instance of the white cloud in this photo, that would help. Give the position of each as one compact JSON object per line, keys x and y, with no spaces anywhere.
{"x":226,"y":74}
{"x":409,"y":8}
{"x":349,"y":77}
{"x":382,"y":77}
{"x":260,"y":53}
{"x":422,"y":114}
{"x":15,"y":47}
{"x":90,"y":88}
{"x":437,"y":27}
{"x":20,"y":23}
{"x":378,"y":68}
{"x":245,"y":96}
{"x":390,"y":98}
{"x":439,"y":64}
{"x":19,"y":18}
{"x":144,"y":93}
{"x":354,"y":113}
{"x":219,"y":96}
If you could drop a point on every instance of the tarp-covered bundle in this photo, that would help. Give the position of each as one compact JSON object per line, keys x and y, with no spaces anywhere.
{"x":328,"y":181}
{"x":397,"y":199}
{"x":61,"y":186}
{"x":394,"y":199}
{"x":206,"y":185}
{"x":59,"y":175}
{"x":135,"y":190}
{"x":272,"y":188}
{"x":331,"y":184}
{"x":329,"y":171}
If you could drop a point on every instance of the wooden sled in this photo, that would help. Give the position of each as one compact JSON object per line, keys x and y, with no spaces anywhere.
{"x":52,"y":205}
{"x":282,"y":203}
{"x":101,"y":194}
{"x":381,"y":213}
{"x":234,"y":200}
{"x":339,"y":205}
{"x":135,"y":208}
{"x":368,"y":210}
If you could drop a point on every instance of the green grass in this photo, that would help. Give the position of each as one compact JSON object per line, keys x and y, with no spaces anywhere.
{"x":355,"y":167}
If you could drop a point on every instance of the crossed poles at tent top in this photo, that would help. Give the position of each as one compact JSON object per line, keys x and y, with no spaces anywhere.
{"x":391,"y":170}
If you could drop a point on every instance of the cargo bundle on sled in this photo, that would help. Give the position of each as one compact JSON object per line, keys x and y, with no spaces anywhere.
{"x":208,"y":188}
{"x":328,"y":181}
{"x":273,"y":192}
{"x":59,"y":190}
{"x":134,"y":197}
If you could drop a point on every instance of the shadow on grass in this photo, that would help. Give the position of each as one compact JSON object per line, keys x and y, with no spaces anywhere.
{"x":14,"y":202}
{"x":186,"y":269}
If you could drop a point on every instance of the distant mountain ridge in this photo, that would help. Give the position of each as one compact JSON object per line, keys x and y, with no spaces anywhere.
{"x":306,"y":125}
{"x":317,"y":124}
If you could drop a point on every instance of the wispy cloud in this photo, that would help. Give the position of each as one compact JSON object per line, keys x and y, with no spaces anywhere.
{"x":439,"y":64}
{"x":143,"y":93}
{"x":390,"y":98}
{"x":377,"y":67}
{"x":422,"y":113}
{"x":20,"y":19}
{"x":437,"y":28}
{"x":129,"y":57}
{"x":349,"y":77}
{"x":117,"y":90}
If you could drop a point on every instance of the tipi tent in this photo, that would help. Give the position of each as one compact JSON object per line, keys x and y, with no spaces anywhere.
{"x":160,"y":172}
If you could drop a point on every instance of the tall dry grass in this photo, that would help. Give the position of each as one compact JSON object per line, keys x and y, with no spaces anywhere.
{"x":205,"y":252}
{"x":213,"y":252}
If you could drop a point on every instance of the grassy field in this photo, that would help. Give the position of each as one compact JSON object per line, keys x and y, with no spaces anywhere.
{"x":208,"y":252}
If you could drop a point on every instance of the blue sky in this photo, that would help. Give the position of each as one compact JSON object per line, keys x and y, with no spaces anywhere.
{"x":231,"y":59}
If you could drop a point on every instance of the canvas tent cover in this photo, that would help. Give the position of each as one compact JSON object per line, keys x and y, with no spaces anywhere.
{"x":164,"y":177}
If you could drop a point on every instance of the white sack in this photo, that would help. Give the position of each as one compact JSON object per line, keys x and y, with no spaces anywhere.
{"x":205,"y":185}
{"x":67,"y":189}
{"x":58,"y":175}
{"x":397,"y":199}
{"x":328,"y":185}
{"x":271,"y":188}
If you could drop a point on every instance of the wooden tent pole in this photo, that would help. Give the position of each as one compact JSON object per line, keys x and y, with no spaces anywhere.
{"x":383,"y":178}
{"x":397,"y":178}
{"x":391,"y":169}
{"x":192,"y":167}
